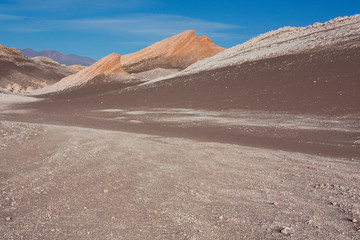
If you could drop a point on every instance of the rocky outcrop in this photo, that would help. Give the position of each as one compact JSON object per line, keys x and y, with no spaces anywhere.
{"x":77,"y":68}
{"x":176,"y":52}
{"x":106,"y":70}
{"x":20,"y":74}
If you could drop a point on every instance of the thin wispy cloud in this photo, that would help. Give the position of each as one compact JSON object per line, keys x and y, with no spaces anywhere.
{"x":57,"y":6}
{"x":67,"y":6}
{"x":30,"y":30}
{"x":149,"y":26}
{"x":7,"y":17}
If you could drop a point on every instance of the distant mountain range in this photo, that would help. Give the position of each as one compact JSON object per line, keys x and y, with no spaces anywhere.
{"x":68,"y":60}
{"x":21,"y":74}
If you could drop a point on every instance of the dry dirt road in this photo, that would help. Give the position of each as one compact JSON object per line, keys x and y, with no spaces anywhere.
{"x":62,"y":182}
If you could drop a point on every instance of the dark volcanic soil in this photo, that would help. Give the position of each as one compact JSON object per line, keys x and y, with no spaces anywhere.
{"x":322,"y":83}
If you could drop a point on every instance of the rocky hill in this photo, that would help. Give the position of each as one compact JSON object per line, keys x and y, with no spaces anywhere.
{"x":19,"y":73}
{"x":107,"y":70}
{"x":176,"y":52}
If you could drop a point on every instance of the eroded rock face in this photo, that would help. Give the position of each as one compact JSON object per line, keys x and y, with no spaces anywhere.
{"x":107,"y":69}
{"x":77,"y":68}
{"x":20,"y":74}
{"x":176,"y":52}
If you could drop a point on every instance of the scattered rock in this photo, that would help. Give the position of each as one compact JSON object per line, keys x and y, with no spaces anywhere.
{"x":8,"y":219}
{"x":354,"y":220}
{"x":275,"y":203}
{"x":334,"y":203}
{"x":286,"y":230}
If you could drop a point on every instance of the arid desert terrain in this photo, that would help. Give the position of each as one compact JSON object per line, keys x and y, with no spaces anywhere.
{"x":259,"y":141}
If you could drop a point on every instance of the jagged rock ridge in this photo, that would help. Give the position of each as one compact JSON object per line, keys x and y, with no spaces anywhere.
{"x":106,"y":70}
{"x":176,"y":52}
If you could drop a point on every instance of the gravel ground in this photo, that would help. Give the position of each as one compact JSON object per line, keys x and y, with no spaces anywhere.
{"x":61,"y":182}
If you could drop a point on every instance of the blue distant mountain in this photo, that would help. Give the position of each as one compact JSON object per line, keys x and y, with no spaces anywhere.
{"x":68,"y":60}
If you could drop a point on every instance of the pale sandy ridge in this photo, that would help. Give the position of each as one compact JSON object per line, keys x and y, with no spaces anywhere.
{"x":109,"y":66}
{"x":341,"y":32}
{"x":286,"y":40}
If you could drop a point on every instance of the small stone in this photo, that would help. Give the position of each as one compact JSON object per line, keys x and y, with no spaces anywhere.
{"x":354,"y":220}
{"x":286,"y":230}
{"x":310,"y":222}
{"x":106,"y":191}
{"x":221,"y":218}
{"x":334,"y":203}
{"x":8,"y":219}
{"x":275,"y":203}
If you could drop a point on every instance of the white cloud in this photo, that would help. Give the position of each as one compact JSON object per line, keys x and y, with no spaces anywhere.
{"x":6,"y":17}
{"x":132,"y":30}
{"x":61,"y":5}
{"x":161,"y":25}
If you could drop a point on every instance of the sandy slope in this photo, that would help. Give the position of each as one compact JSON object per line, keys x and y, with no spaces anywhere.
{"x":325,"y":82}
{"x":77,"y":183}
{"x":337,"y":34}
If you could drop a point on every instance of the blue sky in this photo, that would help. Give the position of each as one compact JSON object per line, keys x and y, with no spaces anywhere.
{"x":98,"y":28}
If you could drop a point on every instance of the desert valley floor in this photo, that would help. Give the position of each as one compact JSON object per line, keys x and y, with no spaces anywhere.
{"x":186,"y":140}
{"x":176,"y":173}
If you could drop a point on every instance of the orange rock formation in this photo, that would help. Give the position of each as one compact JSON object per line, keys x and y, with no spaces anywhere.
{"x":108,"y":69}
{"x":108,"y":66}
{"x":178,"y":52}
